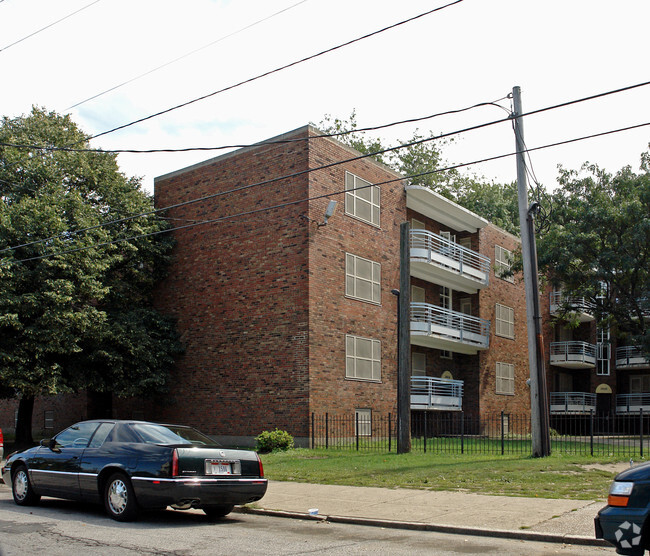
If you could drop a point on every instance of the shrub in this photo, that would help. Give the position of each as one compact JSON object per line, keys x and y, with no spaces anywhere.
{"x":274,"y":441}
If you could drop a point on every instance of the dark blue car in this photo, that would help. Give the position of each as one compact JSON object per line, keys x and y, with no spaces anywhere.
{"x":132,"y":465}
{"x":624,"y":521}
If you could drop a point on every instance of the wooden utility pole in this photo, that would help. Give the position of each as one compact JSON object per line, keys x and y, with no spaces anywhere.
{"x":538,"y":417}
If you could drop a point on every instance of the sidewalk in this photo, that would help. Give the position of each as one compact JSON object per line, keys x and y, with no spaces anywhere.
{"x":566,"y":521}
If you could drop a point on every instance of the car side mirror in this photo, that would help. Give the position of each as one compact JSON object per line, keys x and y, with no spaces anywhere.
{"x":51,"y":444}
{"x":45,"y":442}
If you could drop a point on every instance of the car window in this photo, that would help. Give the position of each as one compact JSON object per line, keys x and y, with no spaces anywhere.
{"x":122,"y":433}
{"x":195,"y":437}
{"x":77,"y":435}
{"x":100,"y":435}
{"x":158,"y":434}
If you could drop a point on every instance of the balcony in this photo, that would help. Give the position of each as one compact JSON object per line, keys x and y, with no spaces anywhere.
{"x":580,"y":306}
{"x":631,"y":357}
{"x":439,"y":328}
{"x":573,"y":355}
{"x":439,"y":260}
{"x":436,"y":393}
{"x":572,"y":402}
{"x":632,"y":403}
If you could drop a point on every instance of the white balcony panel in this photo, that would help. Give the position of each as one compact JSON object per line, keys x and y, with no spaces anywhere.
{"x":439,"y":328}
{"x":439,"y":260}
{"x":572,"y":402}
{"x":580,"y":306}
{"x":631,"y":357}
{"x":632,"y":403}
{"x":436,"y":393}
{"x":573,"y":355}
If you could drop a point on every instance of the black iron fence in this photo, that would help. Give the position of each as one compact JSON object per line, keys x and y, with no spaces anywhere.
{"x":503,"y":433}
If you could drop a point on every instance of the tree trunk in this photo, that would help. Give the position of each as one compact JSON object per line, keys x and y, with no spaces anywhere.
{"x":24,"y":425}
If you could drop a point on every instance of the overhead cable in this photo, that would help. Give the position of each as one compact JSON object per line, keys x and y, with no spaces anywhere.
{"x":331,"y":194}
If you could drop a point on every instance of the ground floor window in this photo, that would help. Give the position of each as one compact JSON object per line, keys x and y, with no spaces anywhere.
{"x":363,"y":422}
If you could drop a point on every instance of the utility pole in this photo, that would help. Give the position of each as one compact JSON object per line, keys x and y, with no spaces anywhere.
{"x":404,"y":345}
{"x":538,"y":417}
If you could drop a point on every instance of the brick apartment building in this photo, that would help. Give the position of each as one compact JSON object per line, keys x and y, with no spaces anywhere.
{"x":283,"y":317}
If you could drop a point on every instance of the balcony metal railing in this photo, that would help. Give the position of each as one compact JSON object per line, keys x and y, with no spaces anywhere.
{"x":573,"y":354}
{"x":431,"y":320}
{"x":631,"y":357}
{"x":572,"y":402}
{"x":573,"y":303}
{"x":436,"y":393}
{"x":433,"y":248}
{"x":632,"y":403}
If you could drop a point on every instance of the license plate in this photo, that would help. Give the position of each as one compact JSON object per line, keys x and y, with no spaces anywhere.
{"x":213,"y":467}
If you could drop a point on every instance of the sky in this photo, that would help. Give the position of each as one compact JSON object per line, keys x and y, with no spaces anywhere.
{"x":472,"y":52}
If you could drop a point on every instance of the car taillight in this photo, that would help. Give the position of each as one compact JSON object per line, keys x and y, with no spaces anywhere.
{"x":261,"y":466}
{"x":619,"y":493}
{"x":2,"y":442}
{"x":175,"y":463}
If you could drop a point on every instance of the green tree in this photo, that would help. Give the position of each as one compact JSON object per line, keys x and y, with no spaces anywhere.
{"x":423,"y":161}
{"x":76,"y":309}
{"x":598,"y":244}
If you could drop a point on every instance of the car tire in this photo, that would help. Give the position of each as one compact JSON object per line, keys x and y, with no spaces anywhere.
{"x":216,"y":512}
{"x":119,"y":498}
{"x":21,"y":488}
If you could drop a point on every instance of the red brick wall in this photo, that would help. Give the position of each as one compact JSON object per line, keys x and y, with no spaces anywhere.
{"x":332,"y":314}
{"x":239,"y":289}
{"x":501,"y":349}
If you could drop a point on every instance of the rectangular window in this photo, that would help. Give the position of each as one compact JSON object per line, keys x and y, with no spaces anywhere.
{"x":505,"y":378}
{"x":361,"y":199}
{"x":418,"y":364}
{"x":502,"y":262}
{"x":417,"y":294}
{"x":363,"y":422}
{"x":48,"y":419}
{"x":639,"y":384}
{"x":446,"y":354}
{"x":505,"y":321}
{"x":445,"y":297}
{"x":362,"y":358}
{"x":362,"y":279}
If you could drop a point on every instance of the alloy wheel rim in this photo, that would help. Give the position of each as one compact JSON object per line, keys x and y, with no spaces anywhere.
{"x":117,"y":496}
{"x":20,"y":485}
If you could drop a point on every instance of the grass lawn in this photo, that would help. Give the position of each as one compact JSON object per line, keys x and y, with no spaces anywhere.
{"x":558,"y":476}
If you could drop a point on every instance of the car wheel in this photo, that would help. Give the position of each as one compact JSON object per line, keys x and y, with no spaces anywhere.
{"x":21,"y":488}
{"x":215,"y":512}
{"x":119,"y":498}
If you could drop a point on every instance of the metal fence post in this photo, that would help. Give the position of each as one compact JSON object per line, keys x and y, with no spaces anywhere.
{"x":390,"y":433}
{"x":356,"y":428}
{"x":425,"y":431}
{"x":591,"y":431}
{"x":641,"y":432}
{"x":462,"y":432}
{"x":502,"y":435}
{"x":327,"y":426}
{"x":313,"y":436}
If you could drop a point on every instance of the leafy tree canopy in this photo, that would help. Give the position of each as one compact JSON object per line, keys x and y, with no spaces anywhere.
{"x":598,"y":244}
{"x":424,"y":163}
{"x":75,"y":309}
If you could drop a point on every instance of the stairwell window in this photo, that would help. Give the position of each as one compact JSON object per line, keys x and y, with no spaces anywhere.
{"x":362,"y":279}
{"x":505,"y":321}
{"x":502,"y":263}
{"x":362,"y":358}
{"x":362,"y":199}
{"x":505,"y":379}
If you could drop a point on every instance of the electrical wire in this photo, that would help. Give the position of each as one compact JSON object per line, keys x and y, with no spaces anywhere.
{"x":48,"y":26}
{"x":325,"y":195}
{"x":187,"y":54}
{"x":276,"y":70}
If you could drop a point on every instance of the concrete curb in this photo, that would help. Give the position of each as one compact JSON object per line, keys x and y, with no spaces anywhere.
{"x":418,"y":526}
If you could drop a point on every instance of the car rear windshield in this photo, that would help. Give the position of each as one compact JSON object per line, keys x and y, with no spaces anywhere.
{"x":163,"y":434}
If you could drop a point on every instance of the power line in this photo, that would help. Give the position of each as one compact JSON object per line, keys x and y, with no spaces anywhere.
{"x":276,"y":70}
{"x":326,"y":195}
{"x":260,"y":143}
{"x":48,"y":26}
{"x":264,"y":182}
{"x":148,"y":72}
